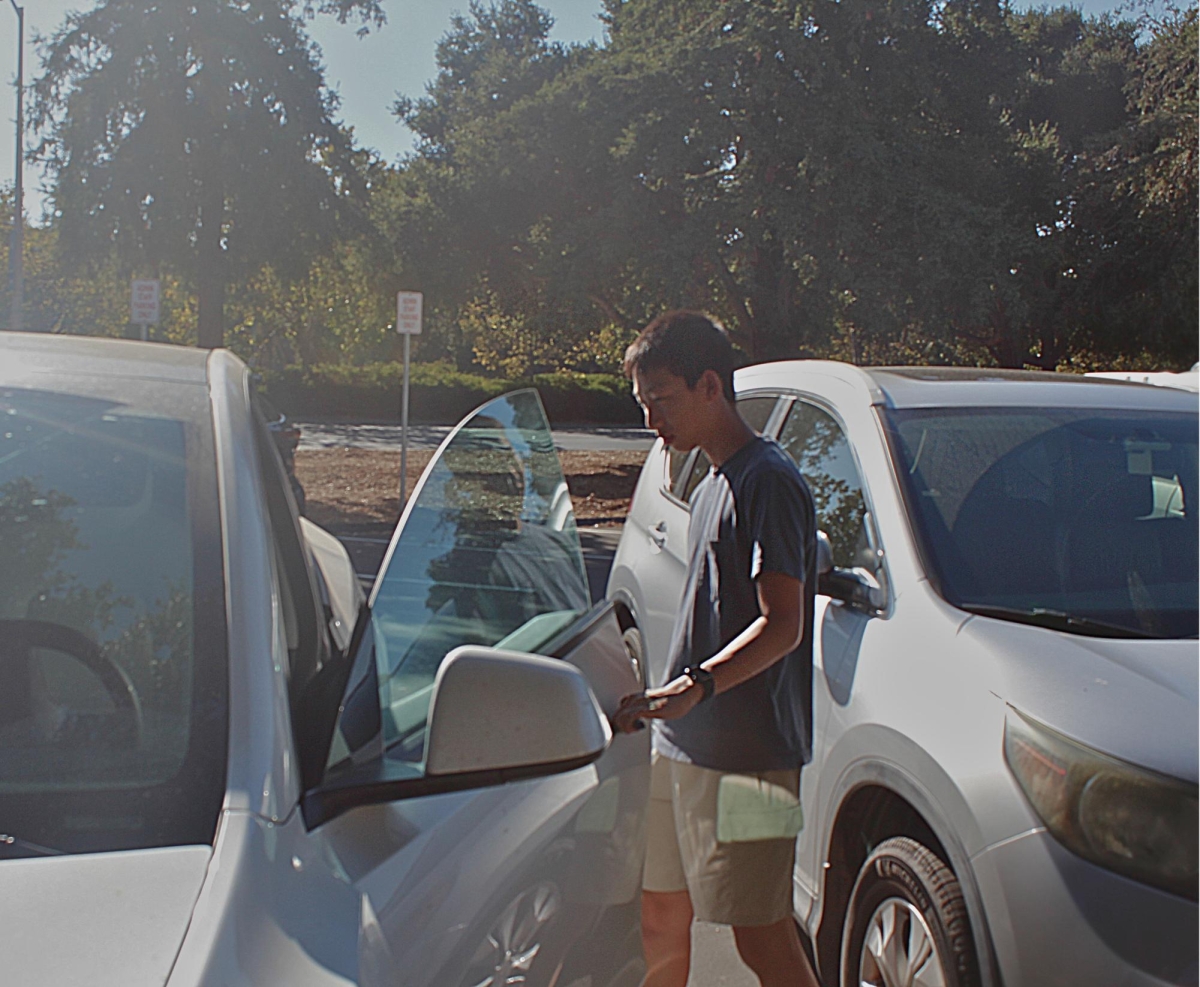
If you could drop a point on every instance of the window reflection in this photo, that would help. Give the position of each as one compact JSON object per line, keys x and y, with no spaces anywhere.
{"x":489,"y":555}
{"x":95,"y":537}
{"x":816,"y":442}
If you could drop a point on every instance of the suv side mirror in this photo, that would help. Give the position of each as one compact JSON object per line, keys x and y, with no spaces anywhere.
{"x":855,"y":587}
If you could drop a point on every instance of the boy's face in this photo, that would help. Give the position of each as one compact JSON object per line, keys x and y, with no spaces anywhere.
{"x":678,"y":413}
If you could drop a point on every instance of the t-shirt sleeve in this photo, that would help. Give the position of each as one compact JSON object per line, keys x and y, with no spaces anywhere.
{"x":781,"y":524}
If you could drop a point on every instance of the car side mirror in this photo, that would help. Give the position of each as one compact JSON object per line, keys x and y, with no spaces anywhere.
{"x":509,"y":712}
{"x":494,"y":717}
{"x":856,"y":587}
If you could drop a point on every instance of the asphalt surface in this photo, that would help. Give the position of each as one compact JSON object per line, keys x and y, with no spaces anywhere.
{"x":318,"y":435}
{"x":715,"y":962}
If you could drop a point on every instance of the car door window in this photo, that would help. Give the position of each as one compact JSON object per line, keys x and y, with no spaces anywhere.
{"x":816,"y":441}
{"x":755,"y":409}
{"x":487,"y":554}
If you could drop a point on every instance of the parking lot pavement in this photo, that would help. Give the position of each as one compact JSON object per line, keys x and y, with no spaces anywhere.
{"x":319,"y":435}
{"x":715,"y":962}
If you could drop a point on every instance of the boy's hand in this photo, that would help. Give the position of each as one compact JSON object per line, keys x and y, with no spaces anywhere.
{"x":669,"y":702}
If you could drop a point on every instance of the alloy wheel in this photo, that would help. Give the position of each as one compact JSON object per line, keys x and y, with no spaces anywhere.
{"x":899,"y":949}
{"x":506,"y":956}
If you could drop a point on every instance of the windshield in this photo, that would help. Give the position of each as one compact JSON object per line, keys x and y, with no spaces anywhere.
{"x":1059,"y":513}
{"x":112,"y":669}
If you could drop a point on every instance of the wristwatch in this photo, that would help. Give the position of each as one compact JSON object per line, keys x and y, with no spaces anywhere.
{"x":703,"y":678}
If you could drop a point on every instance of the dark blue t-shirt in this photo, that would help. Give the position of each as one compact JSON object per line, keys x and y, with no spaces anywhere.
{"x":753,"y":514}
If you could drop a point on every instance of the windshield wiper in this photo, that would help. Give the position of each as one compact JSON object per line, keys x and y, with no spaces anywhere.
{"x":8,"y":840}
{"x":1055,"y":619}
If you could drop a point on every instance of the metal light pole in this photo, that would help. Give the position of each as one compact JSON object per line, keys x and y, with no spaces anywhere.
{"x":16,"y":256}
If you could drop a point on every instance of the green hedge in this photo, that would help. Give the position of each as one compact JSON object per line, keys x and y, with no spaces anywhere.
{"x":438,"y":394}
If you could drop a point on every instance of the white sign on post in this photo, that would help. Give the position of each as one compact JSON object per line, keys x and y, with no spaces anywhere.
{"x":408,"y":312}
{"x":143,"y":302}
{"x":408,"y":324}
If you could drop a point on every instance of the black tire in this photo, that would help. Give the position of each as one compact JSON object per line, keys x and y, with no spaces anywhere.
{"x":909,"y":884}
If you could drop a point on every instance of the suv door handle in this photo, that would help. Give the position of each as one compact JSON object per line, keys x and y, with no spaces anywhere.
{"x":658,"y":535}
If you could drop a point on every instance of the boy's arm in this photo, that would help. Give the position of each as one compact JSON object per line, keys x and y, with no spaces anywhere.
{"x":775,"y":633}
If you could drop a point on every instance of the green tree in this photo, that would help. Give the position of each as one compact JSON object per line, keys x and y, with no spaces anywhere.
{"x":199,"y":136}
{"x":918,"y":181}
{"x":336,"y":312}
{"x":461,"y":212}
{"x":1136,"y":208}
{"x":803,"y":168}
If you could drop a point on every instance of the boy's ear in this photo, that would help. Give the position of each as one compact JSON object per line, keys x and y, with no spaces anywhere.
{"x":711,"y":382}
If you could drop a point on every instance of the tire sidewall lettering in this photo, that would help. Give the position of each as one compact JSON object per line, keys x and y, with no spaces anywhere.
{"x":901,"y":868}
{"x":896,"y":871}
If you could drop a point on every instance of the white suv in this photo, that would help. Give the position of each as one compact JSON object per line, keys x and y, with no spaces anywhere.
{"x":1004,"y":781}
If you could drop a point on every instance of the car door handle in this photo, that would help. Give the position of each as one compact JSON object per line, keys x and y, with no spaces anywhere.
{"x":658,"y":535}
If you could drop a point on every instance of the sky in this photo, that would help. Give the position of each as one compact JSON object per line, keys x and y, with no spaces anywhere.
{"x":367,"y":73}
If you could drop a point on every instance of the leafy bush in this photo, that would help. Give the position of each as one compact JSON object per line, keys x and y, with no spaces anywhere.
{"x":439,"y":394}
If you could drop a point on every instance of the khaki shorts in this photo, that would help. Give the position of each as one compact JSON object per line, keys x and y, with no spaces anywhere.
{"x":727,"y":839}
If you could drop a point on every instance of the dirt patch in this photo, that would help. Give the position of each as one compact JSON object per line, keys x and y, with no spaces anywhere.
{"x":357,"y":491}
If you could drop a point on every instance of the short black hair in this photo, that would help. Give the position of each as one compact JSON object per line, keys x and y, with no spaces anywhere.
{"x":684,"y":343}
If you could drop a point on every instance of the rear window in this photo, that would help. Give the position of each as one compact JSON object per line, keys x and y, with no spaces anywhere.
{"x":112,"y":653}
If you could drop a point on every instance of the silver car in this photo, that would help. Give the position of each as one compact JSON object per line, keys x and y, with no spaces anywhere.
{"x":1004,"y":781}
{"x":221,"y":764}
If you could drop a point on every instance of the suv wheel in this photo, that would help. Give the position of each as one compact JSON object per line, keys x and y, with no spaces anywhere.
{"x":907,"y":922}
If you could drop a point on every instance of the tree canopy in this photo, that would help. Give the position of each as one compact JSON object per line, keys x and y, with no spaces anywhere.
{"x":197,"y":135}
{"x":911,"y":180}
{"x":923,"y":181}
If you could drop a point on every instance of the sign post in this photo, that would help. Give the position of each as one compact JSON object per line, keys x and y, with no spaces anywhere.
{"x":143,"y":303}
{"x":408,"y":323}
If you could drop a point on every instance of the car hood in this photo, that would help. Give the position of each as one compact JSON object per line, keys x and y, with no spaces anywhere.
{"x":102,"y":919}
{"x":1130,"y":698}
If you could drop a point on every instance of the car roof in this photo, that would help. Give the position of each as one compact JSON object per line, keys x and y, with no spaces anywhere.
{"x":23,"y":354}
{"x":941,"y":387}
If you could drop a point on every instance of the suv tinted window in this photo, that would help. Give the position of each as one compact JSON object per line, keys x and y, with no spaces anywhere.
{"x":1082,"y":513}
{"x":816,"y":441}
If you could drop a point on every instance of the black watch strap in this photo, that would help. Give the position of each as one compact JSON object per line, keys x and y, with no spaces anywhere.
{"x":703,"y":678}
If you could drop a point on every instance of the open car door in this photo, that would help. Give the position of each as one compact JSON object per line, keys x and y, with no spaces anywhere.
{"x":533,"y":881}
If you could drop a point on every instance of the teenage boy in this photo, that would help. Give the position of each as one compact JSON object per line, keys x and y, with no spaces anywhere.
{"x":733,"y":718}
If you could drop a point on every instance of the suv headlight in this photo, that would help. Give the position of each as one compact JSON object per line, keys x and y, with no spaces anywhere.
{"x":1124,"y":818}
